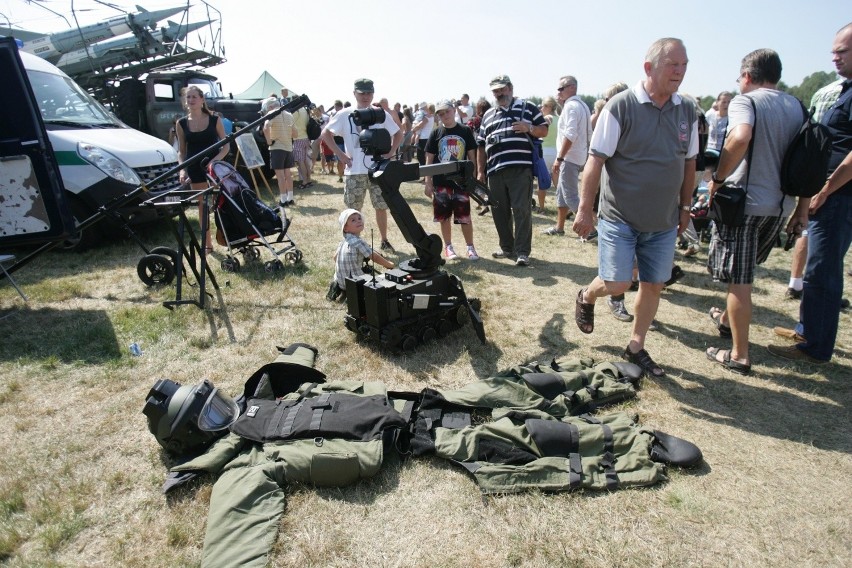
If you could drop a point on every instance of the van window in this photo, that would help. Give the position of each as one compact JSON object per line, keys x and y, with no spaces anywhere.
{"x":61,"y":101}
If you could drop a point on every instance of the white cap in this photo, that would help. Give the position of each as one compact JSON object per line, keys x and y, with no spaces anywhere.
{"x":344,"y":217}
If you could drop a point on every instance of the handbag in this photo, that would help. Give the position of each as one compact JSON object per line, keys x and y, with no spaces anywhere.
{"x":727,"y":205}
{"x":540,"y":170}
{"x":539,"y":167}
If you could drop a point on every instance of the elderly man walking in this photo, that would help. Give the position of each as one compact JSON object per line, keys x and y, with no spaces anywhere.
{"x":505,"y":159}
{"x":572,"y":148}
{"x":645,"y":142}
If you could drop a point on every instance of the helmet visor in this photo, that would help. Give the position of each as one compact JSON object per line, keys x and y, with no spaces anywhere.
{"x":219,"y":412}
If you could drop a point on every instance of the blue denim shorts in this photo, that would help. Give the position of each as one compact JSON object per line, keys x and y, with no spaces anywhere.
{"x":619,"y":244}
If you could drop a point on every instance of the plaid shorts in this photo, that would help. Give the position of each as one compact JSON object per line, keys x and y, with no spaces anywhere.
{"x":736,"y":251}
{"x":301,"y":149}
{"x":355,"y":187}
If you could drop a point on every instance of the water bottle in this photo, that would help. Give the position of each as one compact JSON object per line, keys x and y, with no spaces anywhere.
{"x":135,"y":350}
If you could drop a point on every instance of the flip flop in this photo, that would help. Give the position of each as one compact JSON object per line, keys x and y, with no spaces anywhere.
{"x":716,"y":315}
{"x":726,"y":361}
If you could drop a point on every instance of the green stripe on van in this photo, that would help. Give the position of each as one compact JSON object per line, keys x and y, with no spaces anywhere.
{"x":68,"y":158}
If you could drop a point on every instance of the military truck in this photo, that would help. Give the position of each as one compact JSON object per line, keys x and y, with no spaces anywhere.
{"x":152,"y":103}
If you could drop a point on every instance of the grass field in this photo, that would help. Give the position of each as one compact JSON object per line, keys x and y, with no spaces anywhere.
{"x":80,"y":474}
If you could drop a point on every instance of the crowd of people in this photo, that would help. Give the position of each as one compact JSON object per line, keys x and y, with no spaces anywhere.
{"x":631,"y":172}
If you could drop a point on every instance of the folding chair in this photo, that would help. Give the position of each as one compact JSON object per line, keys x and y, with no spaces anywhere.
{"x":4,"y":258}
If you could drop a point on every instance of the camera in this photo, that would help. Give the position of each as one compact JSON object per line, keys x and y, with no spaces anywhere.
{"x":376,"y":141}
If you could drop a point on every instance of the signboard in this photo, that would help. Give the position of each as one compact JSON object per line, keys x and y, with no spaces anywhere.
{"x":249,"y":150}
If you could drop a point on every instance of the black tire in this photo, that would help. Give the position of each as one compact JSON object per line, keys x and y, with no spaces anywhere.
{"x":155,"y":269}
{"x":293,"y":257}
{"x":408,"y":342}
{"x":81,"y":240}
{"x":273,"y":266}
{"x":130,"y":103}
{"x":169,"y":252}
{"x":230,"y":264}
{"x":444,"y":327}
{"x":427,"y":334}
{"x":251,"y":254}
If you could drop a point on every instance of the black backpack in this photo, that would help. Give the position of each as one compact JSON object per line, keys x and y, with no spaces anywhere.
{"x":313,"y":128}
{"x":805,"y":165}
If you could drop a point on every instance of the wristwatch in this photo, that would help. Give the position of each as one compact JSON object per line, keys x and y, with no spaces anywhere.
{"x":717,"y":180}
{"x":560,"y":159}
{"x":684,"y":207}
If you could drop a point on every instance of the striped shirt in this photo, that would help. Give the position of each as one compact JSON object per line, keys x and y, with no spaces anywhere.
{"x":503,"y":146}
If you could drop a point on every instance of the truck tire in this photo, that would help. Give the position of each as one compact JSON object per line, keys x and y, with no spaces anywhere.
{"x":130,"y":103}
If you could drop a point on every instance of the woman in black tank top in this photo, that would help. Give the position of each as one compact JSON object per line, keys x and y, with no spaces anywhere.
{"x":197,"y":131}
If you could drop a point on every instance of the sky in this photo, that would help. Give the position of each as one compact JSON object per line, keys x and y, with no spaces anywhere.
{"x":427,"y":51}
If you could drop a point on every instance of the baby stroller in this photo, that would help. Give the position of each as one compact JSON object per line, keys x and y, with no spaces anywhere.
{"x":244,"y":223}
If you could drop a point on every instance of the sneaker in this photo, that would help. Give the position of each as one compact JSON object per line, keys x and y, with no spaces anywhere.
{"x":471,"y":253}
{"x":386,"y":246}
{"x":691,"y":250}
{"x":553,"y":231}
{"x":655,"y":325}
{"x":499,"y":254}
{"x":523,"y":260}
{"x":592,"y":236}
{"x":793,"y":294}
{"x":450,"y":253}
{"x":617,"y":309}
{"x":340,"y":179}
{"x":539,"y":210}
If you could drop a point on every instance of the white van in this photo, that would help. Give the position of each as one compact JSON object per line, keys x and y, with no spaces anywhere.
{"x":100,"y":158}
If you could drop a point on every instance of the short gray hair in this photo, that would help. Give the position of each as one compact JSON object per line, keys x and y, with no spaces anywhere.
{"x":567,"y":80}
{"x":655,"y":52}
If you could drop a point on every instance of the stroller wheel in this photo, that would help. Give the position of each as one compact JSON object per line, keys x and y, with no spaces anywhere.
{"x":230,"y":264}
{"x":169,"y":252}
{"x":273,"y":266}
{"x":293,"y":257}
{"x":251,"y":254}
{"x":155,"y":269}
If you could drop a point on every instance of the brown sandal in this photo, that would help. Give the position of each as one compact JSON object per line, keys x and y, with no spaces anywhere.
{"x":584,"y":314}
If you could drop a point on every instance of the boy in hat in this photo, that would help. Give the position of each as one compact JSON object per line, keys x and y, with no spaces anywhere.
{"x":449,"y":143}
{"x":351,"y":253}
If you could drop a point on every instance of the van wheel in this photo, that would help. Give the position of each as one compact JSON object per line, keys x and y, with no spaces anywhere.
{"x":85,"y":239}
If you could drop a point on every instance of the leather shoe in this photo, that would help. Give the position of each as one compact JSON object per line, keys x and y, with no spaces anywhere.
{"x":790,"y":334}
{"x":794,"y":354}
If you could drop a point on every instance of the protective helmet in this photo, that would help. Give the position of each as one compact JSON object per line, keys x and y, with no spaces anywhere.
{"x":187,"y":419}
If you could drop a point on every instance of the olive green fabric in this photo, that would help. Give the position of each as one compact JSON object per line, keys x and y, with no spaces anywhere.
{"x":249,"y":497}
{"x":584,"y":388}
{"x":624,"y":453}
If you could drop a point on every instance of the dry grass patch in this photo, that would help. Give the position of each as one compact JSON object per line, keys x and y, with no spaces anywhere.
{"x":80,"y":478}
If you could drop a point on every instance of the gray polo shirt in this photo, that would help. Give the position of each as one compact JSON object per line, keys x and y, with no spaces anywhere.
{"x":645,"y":149}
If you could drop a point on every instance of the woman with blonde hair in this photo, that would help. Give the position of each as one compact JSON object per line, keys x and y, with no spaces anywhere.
{"x":197,"y":131}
